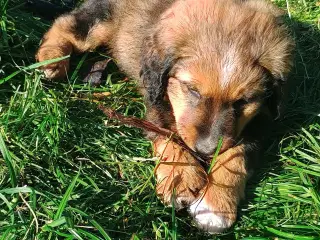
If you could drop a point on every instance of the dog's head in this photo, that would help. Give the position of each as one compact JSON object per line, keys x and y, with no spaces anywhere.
{"x":218,"y":63}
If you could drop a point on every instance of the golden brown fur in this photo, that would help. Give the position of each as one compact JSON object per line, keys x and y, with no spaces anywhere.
{"x":208,"y":69}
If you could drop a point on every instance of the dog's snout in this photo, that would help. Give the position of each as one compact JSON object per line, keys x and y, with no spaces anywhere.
{"x":208,"y":136}
{"x":206,"y":146}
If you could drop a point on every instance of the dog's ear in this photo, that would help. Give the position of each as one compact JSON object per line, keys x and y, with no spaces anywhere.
{"x":277,"y":63}
{"x":276,"y":57}
{"x":277,"y":68}
{"x":275,"y":93}
{"x":275,"y":52}
{"x":155,"y":67}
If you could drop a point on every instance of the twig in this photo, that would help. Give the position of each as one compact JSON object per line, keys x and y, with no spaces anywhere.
{"x":150,"y":127}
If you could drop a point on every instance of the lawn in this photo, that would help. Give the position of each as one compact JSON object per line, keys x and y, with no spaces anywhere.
{"x":68,"y":172}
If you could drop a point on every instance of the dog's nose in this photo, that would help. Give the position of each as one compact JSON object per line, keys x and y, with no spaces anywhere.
{"x":205,"y":147}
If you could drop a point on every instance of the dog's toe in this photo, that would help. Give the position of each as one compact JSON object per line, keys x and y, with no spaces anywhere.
{"x":181,"y":202}
{"x":50,"y":73}
{"x":179,"y":196}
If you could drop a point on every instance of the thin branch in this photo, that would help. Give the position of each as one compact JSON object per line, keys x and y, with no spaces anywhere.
{"x":150,"y":127}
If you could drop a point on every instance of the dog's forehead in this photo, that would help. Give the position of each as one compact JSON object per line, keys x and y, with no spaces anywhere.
{"x":227,"y":78}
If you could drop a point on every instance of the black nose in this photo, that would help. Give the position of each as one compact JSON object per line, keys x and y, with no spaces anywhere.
{"x":206,"y":147}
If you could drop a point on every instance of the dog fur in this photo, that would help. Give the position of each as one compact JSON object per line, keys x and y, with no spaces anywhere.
{"x":209,"y":70}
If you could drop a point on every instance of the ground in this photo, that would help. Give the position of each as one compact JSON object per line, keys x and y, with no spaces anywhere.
{"x":67,"y":172}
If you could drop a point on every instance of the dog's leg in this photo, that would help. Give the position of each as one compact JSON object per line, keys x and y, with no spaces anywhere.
{"x":180,"y":178}
{"x":81,"y":30}
{"x":216,"y":210}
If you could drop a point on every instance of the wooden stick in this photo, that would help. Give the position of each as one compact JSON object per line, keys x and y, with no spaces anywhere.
{"x":148,"y":126}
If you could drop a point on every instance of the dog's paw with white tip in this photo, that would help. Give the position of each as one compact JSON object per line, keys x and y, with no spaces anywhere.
{"x":209,"y":219}
{"x":53,"y":70}
{"x":56,"y":70}
{"x":216,"y":210}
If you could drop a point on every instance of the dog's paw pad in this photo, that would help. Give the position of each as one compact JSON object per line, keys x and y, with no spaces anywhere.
{"x":209,"y":220}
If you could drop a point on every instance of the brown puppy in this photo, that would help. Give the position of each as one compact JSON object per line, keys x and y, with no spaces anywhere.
{"x":209,"y":69}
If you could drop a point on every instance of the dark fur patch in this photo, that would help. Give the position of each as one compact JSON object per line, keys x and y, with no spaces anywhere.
{"x":91,"y":12}
{"x":156,"y":81}
{"x":155,"y":71}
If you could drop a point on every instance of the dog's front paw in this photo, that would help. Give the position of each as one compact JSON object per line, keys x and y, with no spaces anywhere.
{"x":180,"y":178}
{"x":179,"y":185}
{"x":57,"y":69}
{"x":216,"y":210}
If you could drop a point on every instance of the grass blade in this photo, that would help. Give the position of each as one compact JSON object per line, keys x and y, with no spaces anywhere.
{"x":289,"y":235}
{"x":8,"y":160}
{"x":65,"y":198}
{"x":215,"y":154}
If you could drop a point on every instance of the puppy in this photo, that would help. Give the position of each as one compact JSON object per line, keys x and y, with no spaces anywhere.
{"x":209,"y":70}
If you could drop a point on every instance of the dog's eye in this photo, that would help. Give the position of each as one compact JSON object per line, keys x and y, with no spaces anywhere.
{"x":239,"y":105}
{"x":194,"y":92}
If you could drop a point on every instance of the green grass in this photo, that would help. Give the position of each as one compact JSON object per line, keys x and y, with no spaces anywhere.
{"x":66,"y":172}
